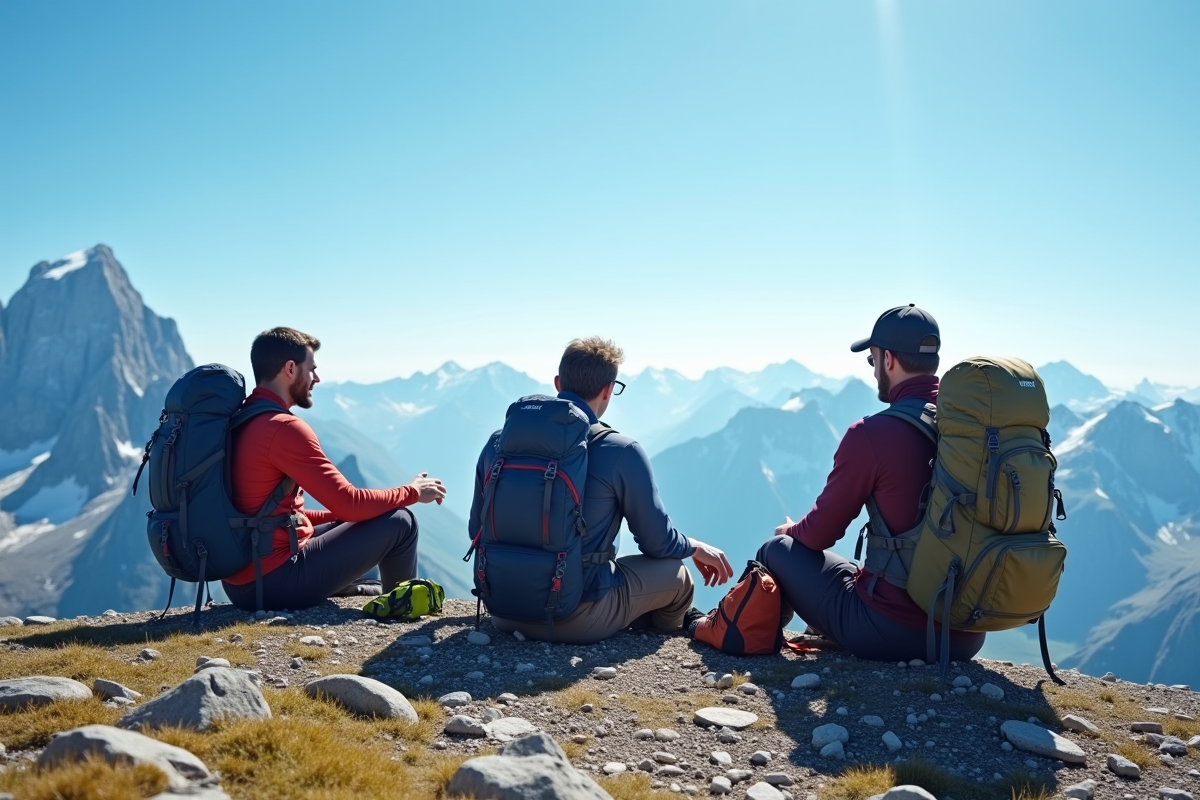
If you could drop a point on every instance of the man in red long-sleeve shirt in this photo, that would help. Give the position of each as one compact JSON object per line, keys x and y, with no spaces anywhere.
{"x":362,"y":528}
{"x":887,"y":459}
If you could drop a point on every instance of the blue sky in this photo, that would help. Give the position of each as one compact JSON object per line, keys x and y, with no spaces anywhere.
{"x":709,"y":183}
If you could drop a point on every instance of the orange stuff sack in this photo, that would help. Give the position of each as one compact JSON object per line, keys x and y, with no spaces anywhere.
{"x":749,"y":619}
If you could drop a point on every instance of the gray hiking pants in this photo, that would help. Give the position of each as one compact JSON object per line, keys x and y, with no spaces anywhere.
{"x":655,"y":595}
{"x":819,"y":587}
{"x":335,"y":556}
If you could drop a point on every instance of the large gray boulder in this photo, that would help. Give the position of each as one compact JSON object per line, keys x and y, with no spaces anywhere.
{"x":533,"y":767}
{"x":1039,"y":741}
{"x":363,"y":696}
{"x":117,"y":746}
{"x":40,"y":690}
{"x":217,"y":693}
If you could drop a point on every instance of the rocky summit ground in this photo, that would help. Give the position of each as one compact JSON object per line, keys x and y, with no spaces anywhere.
{"x":629,"y":712}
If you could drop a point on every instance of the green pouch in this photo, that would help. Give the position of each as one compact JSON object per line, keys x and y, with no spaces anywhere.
{"x":409,"y":600}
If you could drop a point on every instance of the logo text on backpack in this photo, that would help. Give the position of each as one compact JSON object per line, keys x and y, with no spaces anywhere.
{"x":530,"y":408}
{"x":1028,"y":384}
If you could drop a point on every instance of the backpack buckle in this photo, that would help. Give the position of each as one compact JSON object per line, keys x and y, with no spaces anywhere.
{"x":551,"y":470}
{"x":993,"y":440}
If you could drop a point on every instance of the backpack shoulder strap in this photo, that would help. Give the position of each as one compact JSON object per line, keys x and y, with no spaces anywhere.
{"x":599,"y":431}
{"x":920,"y":414}
{"x":257,"y":408}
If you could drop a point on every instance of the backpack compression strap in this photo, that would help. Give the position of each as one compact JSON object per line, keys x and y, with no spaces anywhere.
{"x":260,"y":523}
{"x":921,"y":415}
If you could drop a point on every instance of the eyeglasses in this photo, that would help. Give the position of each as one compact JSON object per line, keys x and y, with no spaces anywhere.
{"x":618,"y":387}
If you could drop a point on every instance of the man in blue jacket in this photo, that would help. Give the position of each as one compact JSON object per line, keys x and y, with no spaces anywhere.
{"x":651,"y":590}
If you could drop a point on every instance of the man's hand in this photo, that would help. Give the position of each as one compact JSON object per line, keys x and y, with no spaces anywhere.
{"x":712,"y":563}
{"x":429,"y":490}
{"x":782,"y":530}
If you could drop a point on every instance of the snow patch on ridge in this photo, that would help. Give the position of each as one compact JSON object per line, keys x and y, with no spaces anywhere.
{"x":67,"y":264}
{"x":127,"y":449}
{"x":54,"y":504}
{"x":1078,"y":436}
{"x":407,"y":409}
{"x":25,"y":533}
{"x":34,"y":454}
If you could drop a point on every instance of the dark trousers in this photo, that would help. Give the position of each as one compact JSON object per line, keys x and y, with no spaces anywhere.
{"x":335,"y":556}
{"x":819,"y":587}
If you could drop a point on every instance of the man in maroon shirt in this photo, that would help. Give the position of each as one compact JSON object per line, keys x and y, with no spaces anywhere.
{"x":362,"y":528}
{"x":887,"y":459}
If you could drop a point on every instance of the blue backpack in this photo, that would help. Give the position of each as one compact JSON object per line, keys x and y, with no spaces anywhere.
{"x":194,"y":530}
{"x":528,"y":549}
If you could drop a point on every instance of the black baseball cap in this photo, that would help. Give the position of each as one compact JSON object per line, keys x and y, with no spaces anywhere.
{"x":901,"y":330}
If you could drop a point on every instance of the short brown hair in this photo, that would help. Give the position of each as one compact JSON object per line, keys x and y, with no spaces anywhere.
{"x":588,"y":365}
{"x":274,"y":348}
{"x":920,"y":363}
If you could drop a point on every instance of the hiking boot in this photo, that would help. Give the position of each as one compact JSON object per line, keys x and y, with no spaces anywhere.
{"x":691,"y":618}
{"x":360,"y":588}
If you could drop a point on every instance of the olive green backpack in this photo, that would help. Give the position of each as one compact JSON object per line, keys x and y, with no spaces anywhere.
{"x":985,"y":556}
{"x":409,"y":600}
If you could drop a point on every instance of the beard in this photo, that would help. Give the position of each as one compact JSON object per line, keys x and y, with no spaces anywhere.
{"x":301,"y":392}
{"x":885,"y":388}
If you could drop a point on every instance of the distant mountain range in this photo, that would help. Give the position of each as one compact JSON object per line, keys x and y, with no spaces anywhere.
{"x":84,"y":366}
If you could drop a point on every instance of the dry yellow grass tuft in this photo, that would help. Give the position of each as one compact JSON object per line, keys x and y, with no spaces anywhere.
{"x":1074,"y":701}
{"x":34,"y":726}
{"x":1184,"y":729}
{"x":575,"y":751}
{"x":865,"y":780}
{"x":86,"y":780}
{"x":312,"y":748}
{"x":860,"y":782}
{"x":308,"y":652}
{"x":1136,"y":753}
{"x":660,"y":712}
{"x":574,"y":697}
{"x":630,"y":786}
{"x":85,"y":653}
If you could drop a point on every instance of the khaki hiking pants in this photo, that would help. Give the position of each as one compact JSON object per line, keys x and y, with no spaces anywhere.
{"x":656,"y":594}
